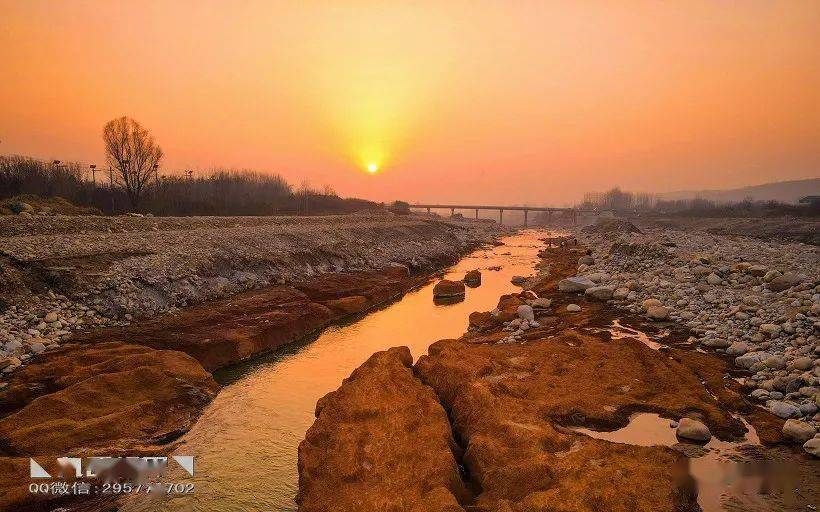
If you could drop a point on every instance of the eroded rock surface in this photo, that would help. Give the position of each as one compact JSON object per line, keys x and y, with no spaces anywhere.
{"x":113,"y":397}
{"x":231,"y":330}
{"x":380,"y":442}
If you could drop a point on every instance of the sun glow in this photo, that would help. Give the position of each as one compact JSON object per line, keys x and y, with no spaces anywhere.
{"x":372,"y":168}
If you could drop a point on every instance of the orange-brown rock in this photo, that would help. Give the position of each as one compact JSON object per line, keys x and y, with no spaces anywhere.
{"x":349,"y":305}
{"x":113,"y":396}
{"x":380,"y":442}
{"x":446,"y":288}
{"x":509,"y":403}
{"x":472,"y":278}
{"x":230,"y":330}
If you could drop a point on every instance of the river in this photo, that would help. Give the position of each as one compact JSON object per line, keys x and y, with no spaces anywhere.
{"x":245,"y":443}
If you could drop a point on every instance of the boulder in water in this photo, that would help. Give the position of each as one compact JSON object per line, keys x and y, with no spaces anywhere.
{"x":693,"y":430}
{"x":472,"y":278}
{"x":447,"y":289}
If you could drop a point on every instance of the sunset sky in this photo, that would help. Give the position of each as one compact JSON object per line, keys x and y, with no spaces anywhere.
{"x":474,"y":101}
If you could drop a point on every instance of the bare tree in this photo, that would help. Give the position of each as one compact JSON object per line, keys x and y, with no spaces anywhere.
{"x":132,"y":153}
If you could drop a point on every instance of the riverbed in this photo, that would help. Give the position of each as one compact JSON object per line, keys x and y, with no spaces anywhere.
{"x":245,"y":443}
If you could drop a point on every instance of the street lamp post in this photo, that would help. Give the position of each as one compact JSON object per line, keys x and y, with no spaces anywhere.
{"x":93,"y":174}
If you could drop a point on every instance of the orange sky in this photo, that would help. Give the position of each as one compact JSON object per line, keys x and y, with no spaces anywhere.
{"x":509,"y":102}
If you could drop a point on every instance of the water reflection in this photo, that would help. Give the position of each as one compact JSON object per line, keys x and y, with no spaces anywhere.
{"x":740,"y":475}
{"x":245,"y":443}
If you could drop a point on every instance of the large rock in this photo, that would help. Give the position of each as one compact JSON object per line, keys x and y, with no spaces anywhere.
{"x":382,"y":441}
{"x":783,"y":409}
{"x":784,"y":282}
{"x":526,"y":312}
{"x":657,"y":313}
{"x":447,"y":289}
{"x":574,"y":284}
{"x":812,"y":447}
{"x":694,"y":430}
{"x":472,"y":278}
{"x":750,"y":359}
{"x":599,"y":292}
{"x":648,"y":303}
{"x":798,"y":431}
{"x":109,"y":396}
{"x":716,"y":343}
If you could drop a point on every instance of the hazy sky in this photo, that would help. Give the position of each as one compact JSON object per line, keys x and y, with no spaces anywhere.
{"x":506,"y":101}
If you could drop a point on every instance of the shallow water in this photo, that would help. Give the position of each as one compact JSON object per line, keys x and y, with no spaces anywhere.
{"x":739,"y":475}
{"x":245,"y":443}
{"x":617,"y":331}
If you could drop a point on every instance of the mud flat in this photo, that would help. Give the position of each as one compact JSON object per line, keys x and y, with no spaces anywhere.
{"x":517,"y":390}
{"x":139,"y":386}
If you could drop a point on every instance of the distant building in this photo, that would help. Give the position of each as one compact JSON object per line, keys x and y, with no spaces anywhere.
{"x":811,"y":200}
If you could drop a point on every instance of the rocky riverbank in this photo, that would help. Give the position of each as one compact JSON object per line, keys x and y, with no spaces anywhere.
{"x":60,"y":275}
{"x":756,"y":302}
{"x":516,"y":386}
{"x":138,"y":386}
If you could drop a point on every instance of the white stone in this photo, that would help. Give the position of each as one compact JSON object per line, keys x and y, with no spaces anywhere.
{"x":525,"y":312}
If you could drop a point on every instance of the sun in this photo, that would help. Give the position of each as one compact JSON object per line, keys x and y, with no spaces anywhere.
{"x":372,"y":168}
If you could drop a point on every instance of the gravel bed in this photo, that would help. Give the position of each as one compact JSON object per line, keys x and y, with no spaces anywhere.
{"x":756,"y":301}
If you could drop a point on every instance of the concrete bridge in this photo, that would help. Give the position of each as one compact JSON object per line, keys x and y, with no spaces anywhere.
{"x":525,"y":209}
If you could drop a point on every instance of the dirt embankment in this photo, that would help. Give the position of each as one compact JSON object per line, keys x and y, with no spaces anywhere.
{"x":510,"y":406}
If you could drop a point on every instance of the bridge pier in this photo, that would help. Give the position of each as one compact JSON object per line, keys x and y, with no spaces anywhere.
{"x":476,"y":214}
{"x":525,"y":218}
{"x":452,"y":212}
{"x":500,"y":216}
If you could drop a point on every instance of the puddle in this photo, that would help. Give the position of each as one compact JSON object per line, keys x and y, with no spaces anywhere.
{"x":618,"y":331}
{"x":730,"y":475}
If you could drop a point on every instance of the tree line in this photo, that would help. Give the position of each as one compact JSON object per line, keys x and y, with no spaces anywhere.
{"x":132,"y":182}
{"x":631,"y":202}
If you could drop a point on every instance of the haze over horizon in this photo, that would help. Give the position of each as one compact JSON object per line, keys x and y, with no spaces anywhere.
{"x":526,"y":103}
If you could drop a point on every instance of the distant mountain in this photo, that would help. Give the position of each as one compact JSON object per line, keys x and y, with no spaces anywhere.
{"x":783,"y":191}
